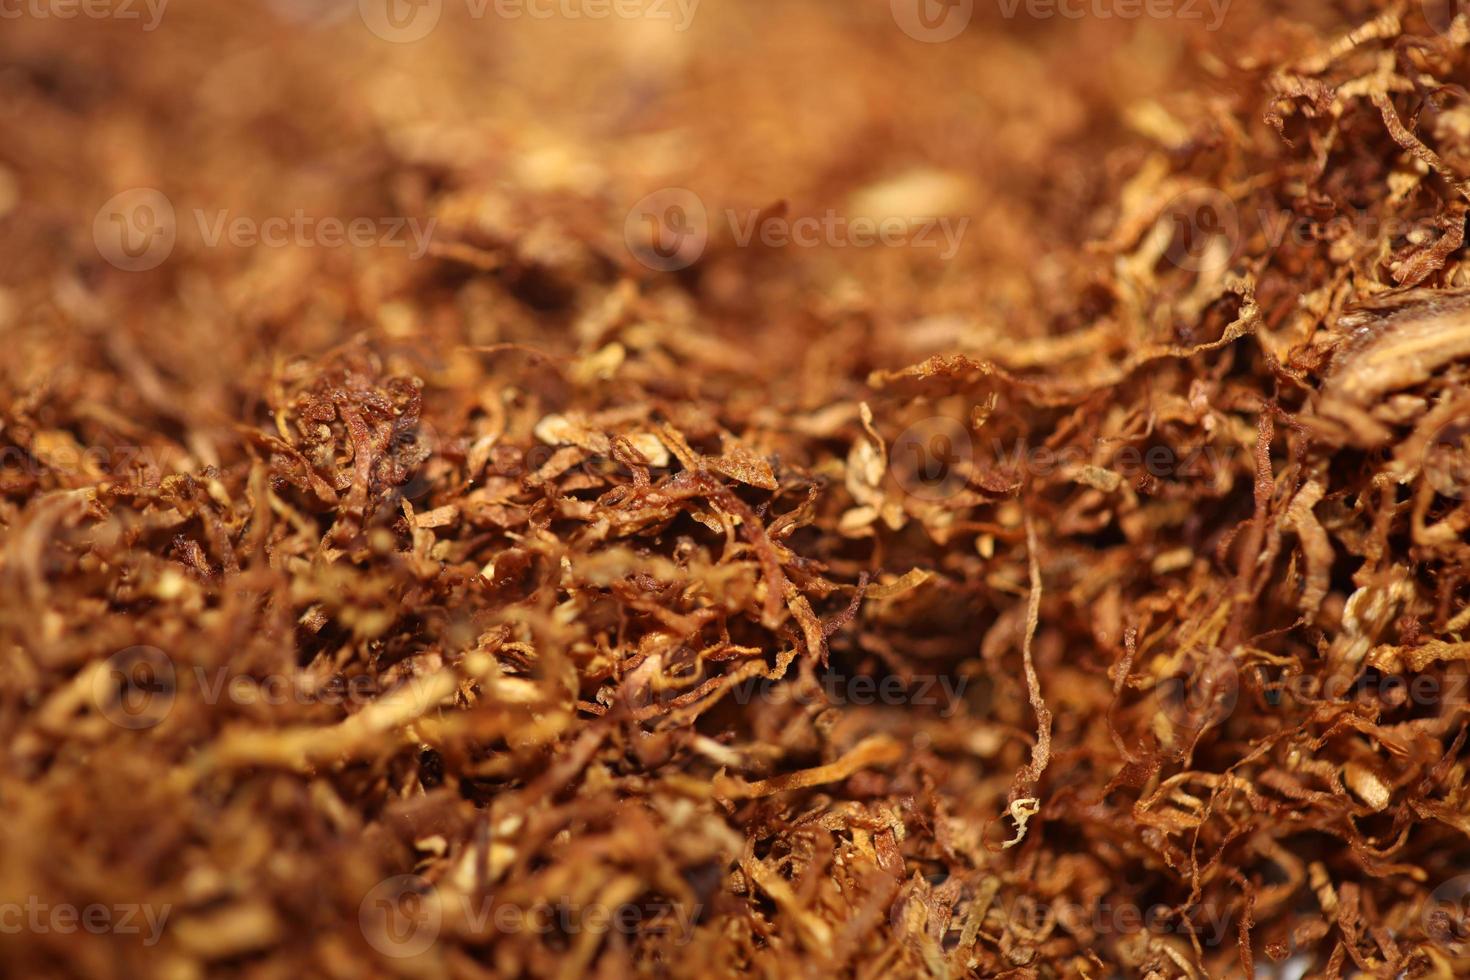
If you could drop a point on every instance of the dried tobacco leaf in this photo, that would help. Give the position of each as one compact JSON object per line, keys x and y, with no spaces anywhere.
{"x":709,"y":489}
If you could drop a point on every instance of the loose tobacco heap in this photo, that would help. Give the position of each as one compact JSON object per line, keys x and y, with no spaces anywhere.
{"x":1088,"y":605}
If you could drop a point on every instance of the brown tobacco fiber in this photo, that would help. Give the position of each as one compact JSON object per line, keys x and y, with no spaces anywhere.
{"x":1089,"y":602}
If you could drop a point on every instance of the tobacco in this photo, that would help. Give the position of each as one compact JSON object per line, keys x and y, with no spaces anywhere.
{"x":1085,"y":598}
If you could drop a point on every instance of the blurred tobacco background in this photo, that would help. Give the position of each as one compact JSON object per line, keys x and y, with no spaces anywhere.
{"x":690,"y":487}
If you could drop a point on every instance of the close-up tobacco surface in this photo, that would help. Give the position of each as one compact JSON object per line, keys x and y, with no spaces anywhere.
{"x":880,"y":488}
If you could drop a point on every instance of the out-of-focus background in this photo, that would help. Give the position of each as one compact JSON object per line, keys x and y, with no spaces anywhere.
{"x":526,"y":131}
{"x":723,"y":214}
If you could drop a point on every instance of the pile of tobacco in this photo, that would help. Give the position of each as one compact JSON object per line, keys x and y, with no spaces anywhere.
{"x":734,"y":488}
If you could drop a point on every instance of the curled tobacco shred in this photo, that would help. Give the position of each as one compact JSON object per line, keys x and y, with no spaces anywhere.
{"x":552,"y":599}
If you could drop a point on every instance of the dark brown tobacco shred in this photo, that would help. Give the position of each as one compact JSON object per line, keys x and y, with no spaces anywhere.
{"x":590,"y":575}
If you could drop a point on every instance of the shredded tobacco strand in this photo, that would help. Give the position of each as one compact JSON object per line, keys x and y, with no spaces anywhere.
{"x":742,"y":489}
